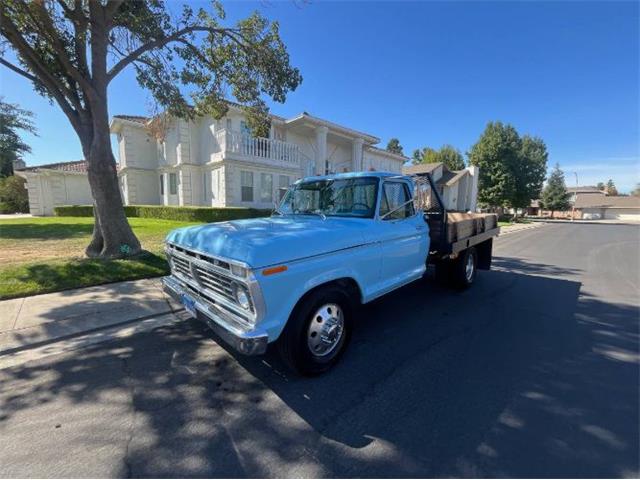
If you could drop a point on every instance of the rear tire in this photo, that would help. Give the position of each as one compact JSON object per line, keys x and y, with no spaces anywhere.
{"x":465,"y":268}
{"x":317,"y":332}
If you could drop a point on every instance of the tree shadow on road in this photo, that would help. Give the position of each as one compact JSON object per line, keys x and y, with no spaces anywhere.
{"x":521,"y":376}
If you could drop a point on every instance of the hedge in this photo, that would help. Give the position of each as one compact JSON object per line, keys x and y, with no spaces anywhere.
{"x":184,"y":214}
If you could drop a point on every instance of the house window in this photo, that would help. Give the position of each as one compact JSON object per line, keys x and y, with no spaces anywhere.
{"x":266,"y":187}
{"x":173,"y":184}
{"x":162,"y":184}
{"x":205,"y":187}
{"x":283,"y":184}
{"x":246,"y":186}
{"x":395,"y":196}
{"x":228,"y":124}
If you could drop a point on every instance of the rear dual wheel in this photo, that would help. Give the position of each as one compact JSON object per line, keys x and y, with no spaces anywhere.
{"x":461,"y":272}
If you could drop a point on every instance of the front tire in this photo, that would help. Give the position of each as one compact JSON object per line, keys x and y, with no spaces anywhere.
{"x":317,"y":332}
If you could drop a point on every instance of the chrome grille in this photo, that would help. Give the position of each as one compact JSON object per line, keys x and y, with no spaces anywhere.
{"x":215,"y":282}
{"x":207,"y":272}
{"x":181,"y":266}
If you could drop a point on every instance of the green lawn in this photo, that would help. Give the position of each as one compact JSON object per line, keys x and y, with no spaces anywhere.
{"x":40,"y":255}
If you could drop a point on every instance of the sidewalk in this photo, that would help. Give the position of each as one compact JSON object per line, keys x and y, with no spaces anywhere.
{"x":42,"y":319}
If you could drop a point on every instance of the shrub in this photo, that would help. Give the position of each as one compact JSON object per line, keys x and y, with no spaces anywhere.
{"x":13,"y":195}
{"x":73,"y":211}
{"x":184,"y":214}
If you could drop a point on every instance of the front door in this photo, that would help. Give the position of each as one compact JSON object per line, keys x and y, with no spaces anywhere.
{"x":403,"y":235}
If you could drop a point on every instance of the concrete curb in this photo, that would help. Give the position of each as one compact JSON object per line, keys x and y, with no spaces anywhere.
{"x":585,"y":222}
{"x":89,"y":331}
{"x":509,"y":230}
{"x":85,"y":340}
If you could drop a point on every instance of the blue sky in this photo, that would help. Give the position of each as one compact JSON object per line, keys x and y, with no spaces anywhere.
{"x":431,"y":73}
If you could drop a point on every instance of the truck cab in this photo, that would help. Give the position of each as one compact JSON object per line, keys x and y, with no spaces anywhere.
{"x":297,"y":278}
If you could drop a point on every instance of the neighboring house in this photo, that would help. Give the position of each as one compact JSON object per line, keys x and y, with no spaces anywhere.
{"x":458,"y":188}
{"x":219,"y":163}
{"x":590,"y":203}
{"x":600,"y":206}
{"x":56,"y":184}
{"x":584,"y":190}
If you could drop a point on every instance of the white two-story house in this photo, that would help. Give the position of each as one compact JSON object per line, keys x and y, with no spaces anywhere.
{"x":219,"y":163}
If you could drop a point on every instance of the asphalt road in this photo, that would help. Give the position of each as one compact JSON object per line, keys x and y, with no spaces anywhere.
{"x":532,"y":373}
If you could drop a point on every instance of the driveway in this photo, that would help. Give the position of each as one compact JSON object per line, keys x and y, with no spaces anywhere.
{"x":531,"y":373}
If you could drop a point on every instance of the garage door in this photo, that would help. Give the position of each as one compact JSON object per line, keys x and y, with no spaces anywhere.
{"x":622,"y":214}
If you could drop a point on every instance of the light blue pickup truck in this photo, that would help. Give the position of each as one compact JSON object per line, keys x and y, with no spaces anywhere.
{"x":334,"y":242}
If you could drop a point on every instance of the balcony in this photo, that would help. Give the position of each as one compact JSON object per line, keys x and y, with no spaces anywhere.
{"x":258,"y":149}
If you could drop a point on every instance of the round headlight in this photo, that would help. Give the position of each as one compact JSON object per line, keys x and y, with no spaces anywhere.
{"x":242,"y":297}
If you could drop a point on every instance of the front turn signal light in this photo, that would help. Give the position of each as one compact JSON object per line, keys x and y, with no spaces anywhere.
{"x":274,"y":270}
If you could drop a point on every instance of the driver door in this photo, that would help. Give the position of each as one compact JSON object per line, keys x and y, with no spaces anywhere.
{"x":403,"y":235}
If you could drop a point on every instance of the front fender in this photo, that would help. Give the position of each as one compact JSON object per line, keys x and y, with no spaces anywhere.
{"x":282,"y":291}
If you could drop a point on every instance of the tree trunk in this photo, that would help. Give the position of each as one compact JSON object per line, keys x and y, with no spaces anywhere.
{"x":112,"y":235}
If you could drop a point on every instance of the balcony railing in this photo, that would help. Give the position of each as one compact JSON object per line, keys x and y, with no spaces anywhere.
{"x":271,"y":150}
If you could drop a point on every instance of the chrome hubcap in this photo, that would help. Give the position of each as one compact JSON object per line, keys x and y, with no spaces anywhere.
{"x":469,"y":268}
{"x":325,"y":330}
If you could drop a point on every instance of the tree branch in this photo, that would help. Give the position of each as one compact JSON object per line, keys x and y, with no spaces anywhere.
{"x":162,"y":42}
{"x":43,"y":77}
{"x":112,"y":8}
{"x":47,"y":24}
{"x":19,"y":71}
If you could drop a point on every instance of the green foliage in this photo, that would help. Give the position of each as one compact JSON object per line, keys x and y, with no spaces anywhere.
{"x":512,"y":169}
{"x":530,"y":172}
{"x":184,"y":58}
{"x":394,"y":146}
{"x":184,"y":214}
{"x":74,"y":211}
{"x":12,"y":147}
{"x":600,"y":186}
{"x":611,"y":189}
{"x":555,"y":196}
{"x":449,"y":155}
{"x":13,"y":195}
{"x":636,"y":191}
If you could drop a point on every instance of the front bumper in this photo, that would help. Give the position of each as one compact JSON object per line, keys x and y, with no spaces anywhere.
{"x":245,"y":342}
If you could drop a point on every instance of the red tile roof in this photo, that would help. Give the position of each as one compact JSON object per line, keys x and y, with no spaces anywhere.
{"x":133,"y":118}
{"x":79,"y":166}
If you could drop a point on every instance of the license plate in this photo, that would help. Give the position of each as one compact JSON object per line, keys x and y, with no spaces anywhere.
{"x":189,"y":304}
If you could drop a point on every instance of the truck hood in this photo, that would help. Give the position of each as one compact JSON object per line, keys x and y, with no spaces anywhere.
{"x":260,"y":242}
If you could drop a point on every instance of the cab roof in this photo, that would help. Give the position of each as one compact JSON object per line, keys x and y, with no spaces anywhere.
{"x":337,"y":176}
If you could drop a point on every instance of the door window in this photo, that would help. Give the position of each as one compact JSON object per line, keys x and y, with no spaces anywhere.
{"x":173,"y":184}
{"x":161,"y":184}
{"x":395,"y":201}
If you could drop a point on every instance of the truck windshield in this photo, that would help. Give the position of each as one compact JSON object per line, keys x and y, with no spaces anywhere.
{"x":342,"y":197}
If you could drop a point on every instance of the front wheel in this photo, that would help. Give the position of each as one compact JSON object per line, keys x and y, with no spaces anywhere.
{"x":317,"y":332}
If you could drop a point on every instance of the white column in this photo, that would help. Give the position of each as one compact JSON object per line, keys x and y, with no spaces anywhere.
{"x":356,"y":155}
{"x":321,"y":149}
